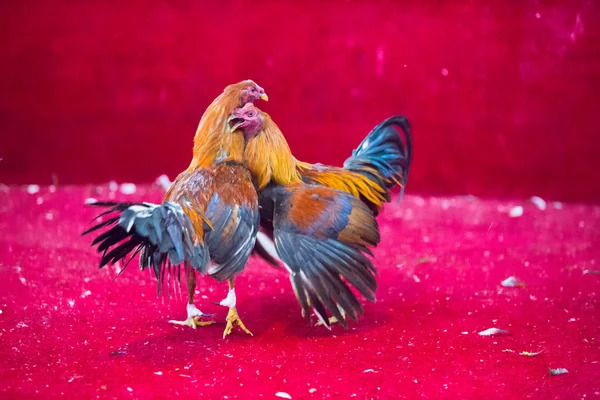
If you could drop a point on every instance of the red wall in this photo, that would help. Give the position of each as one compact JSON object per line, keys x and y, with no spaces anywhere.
{"x":503,"y":98}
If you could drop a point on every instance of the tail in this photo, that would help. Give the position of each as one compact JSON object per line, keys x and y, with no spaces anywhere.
{"x":383,"y":156}
{"x":162,"y":234}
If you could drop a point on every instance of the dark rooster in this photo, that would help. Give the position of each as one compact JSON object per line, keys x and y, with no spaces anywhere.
{"x":209,"y":214}
{"x":323,"y":220}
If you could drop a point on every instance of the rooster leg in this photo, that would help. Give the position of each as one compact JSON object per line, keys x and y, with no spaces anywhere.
{"x":193,"y":313}
{"x":233,"y":318}
{"x":333,"y":320}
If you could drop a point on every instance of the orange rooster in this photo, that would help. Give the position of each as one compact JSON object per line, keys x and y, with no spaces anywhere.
{"x":210,"y":212}
{"x":322,"y":218}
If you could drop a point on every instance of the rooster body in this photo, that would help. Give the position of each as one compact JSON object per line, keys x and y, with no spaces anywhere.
{"x":209,"y":217}
{"x":321,"y":223}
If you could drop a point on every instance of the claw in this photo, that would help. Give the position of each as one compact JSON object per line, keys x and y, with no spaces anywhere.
{"x":333,"y":320}
{"x":233,"y":319}
{"x":192,"y":322}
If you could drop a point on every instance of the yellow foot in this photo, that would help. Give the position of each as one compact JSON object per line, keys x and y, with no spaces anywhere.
{"x":192,"y":322}
{"x":332,"y":320}
{"x":233,"y":319}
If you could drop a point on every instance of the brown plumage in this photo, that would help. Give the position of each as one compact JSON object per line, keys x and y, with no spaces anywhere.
{"x":322,"y":219}
{"x":209,"y":214}
{"x":380,"y":163}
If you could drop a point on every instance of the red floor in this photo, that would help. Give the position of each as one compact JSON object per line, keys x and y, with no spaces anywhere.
{"x":68,"y":330}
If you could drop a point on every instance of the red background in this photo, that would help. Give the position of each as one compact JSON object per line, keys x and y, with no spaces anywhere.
{"x":94,"y":91}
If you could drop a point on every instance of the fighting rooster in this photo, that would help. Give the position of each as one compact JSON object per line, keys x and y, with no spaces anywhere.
{"x":209,"y":214}
{"x":323,"y":220}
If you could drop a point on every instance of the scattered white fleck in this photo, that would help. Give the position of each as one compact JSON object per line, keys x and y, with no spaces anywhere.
{"x":572,"y":320}
{"x":283,"y":395}
{"x":90,"y":200}
{"x":49,"y":216}
{"x":163,"y":181}
{"x":33,"y":189}
{"x":85,"y":294}
{"x":71,"y":302}
{"x":0,"y":311}
{"x":312,"y":390}
{"x":591,"y":272}
{"x":558,"y":371}
{"x":465,"y":333}
{"x":539,"y":202}
{"x":416,"y":278}
{"x":493,"y":331}
{"x":557,"y":205}
{"x":185,"y":376}
{"x":158,"y":373}
{"x":508,"y":351}
{"x":426,"y":239}
{"x":516,"y":212}
{"x":128,"y":188}
{"x":511,"y":281}
{"x":22,"y":325}
{"x":369,"y":370}
{"x":129,"y":389}
{"x":444,"y":72}
{"x":52,"y":188}
{"x":23,"y":280}
{"x":538,"y":16}
{"x":39,"y":201}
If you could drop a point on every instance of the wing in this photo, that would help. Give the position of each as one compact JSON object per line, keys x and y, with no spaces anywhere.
{"x":322,"y":235}
{"x":233,"y":212}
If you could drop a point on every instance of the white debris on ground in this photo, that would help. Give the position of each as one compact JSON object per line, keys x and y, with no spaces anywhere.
{"x":33,"y":189}
{"x":90,"y":200}
{"x":511,"y":281}
{"x":283,"y":395}
{"x":516,"y":212}
{"x":530,"y":354}
{"x":163,"y":181}
{"x":558,"y":371}
{"x":493,"y":332}
{"x":128,"y":188}
{"x":539,"y":202}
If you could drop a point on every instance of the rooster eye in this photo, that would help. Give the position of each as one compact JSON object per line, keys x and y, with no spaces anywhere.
{"x":251,"y":114}
{"x":253,"y":90}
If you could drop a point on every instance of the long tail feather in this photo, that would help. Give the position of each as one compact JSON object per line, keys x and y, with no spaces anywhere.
{"x":385,"y":155}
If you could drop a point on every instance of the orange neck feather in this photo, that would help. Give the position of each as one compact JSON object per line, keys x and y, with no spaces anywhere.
{"x":269,"y":158}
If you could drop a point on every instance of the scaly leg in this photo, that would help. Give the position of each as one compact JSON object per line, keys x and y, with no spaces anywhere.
{"x":233,"y":318}
{"x":193,"y":313}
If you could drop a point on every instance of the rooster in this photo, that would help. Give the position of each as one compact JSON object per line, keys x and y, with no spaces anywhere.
{"x":209,"y":214}
{"x":322,"y":219}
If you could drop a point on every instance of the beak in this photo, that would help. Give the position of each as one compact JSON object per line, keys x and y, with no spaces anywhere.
{"x":264,"y":97}
{"x":234,"y":122}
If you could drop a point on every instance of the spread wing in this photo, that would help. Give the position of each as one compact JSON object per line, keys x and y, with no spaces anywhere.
{"x":322,"y":235}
